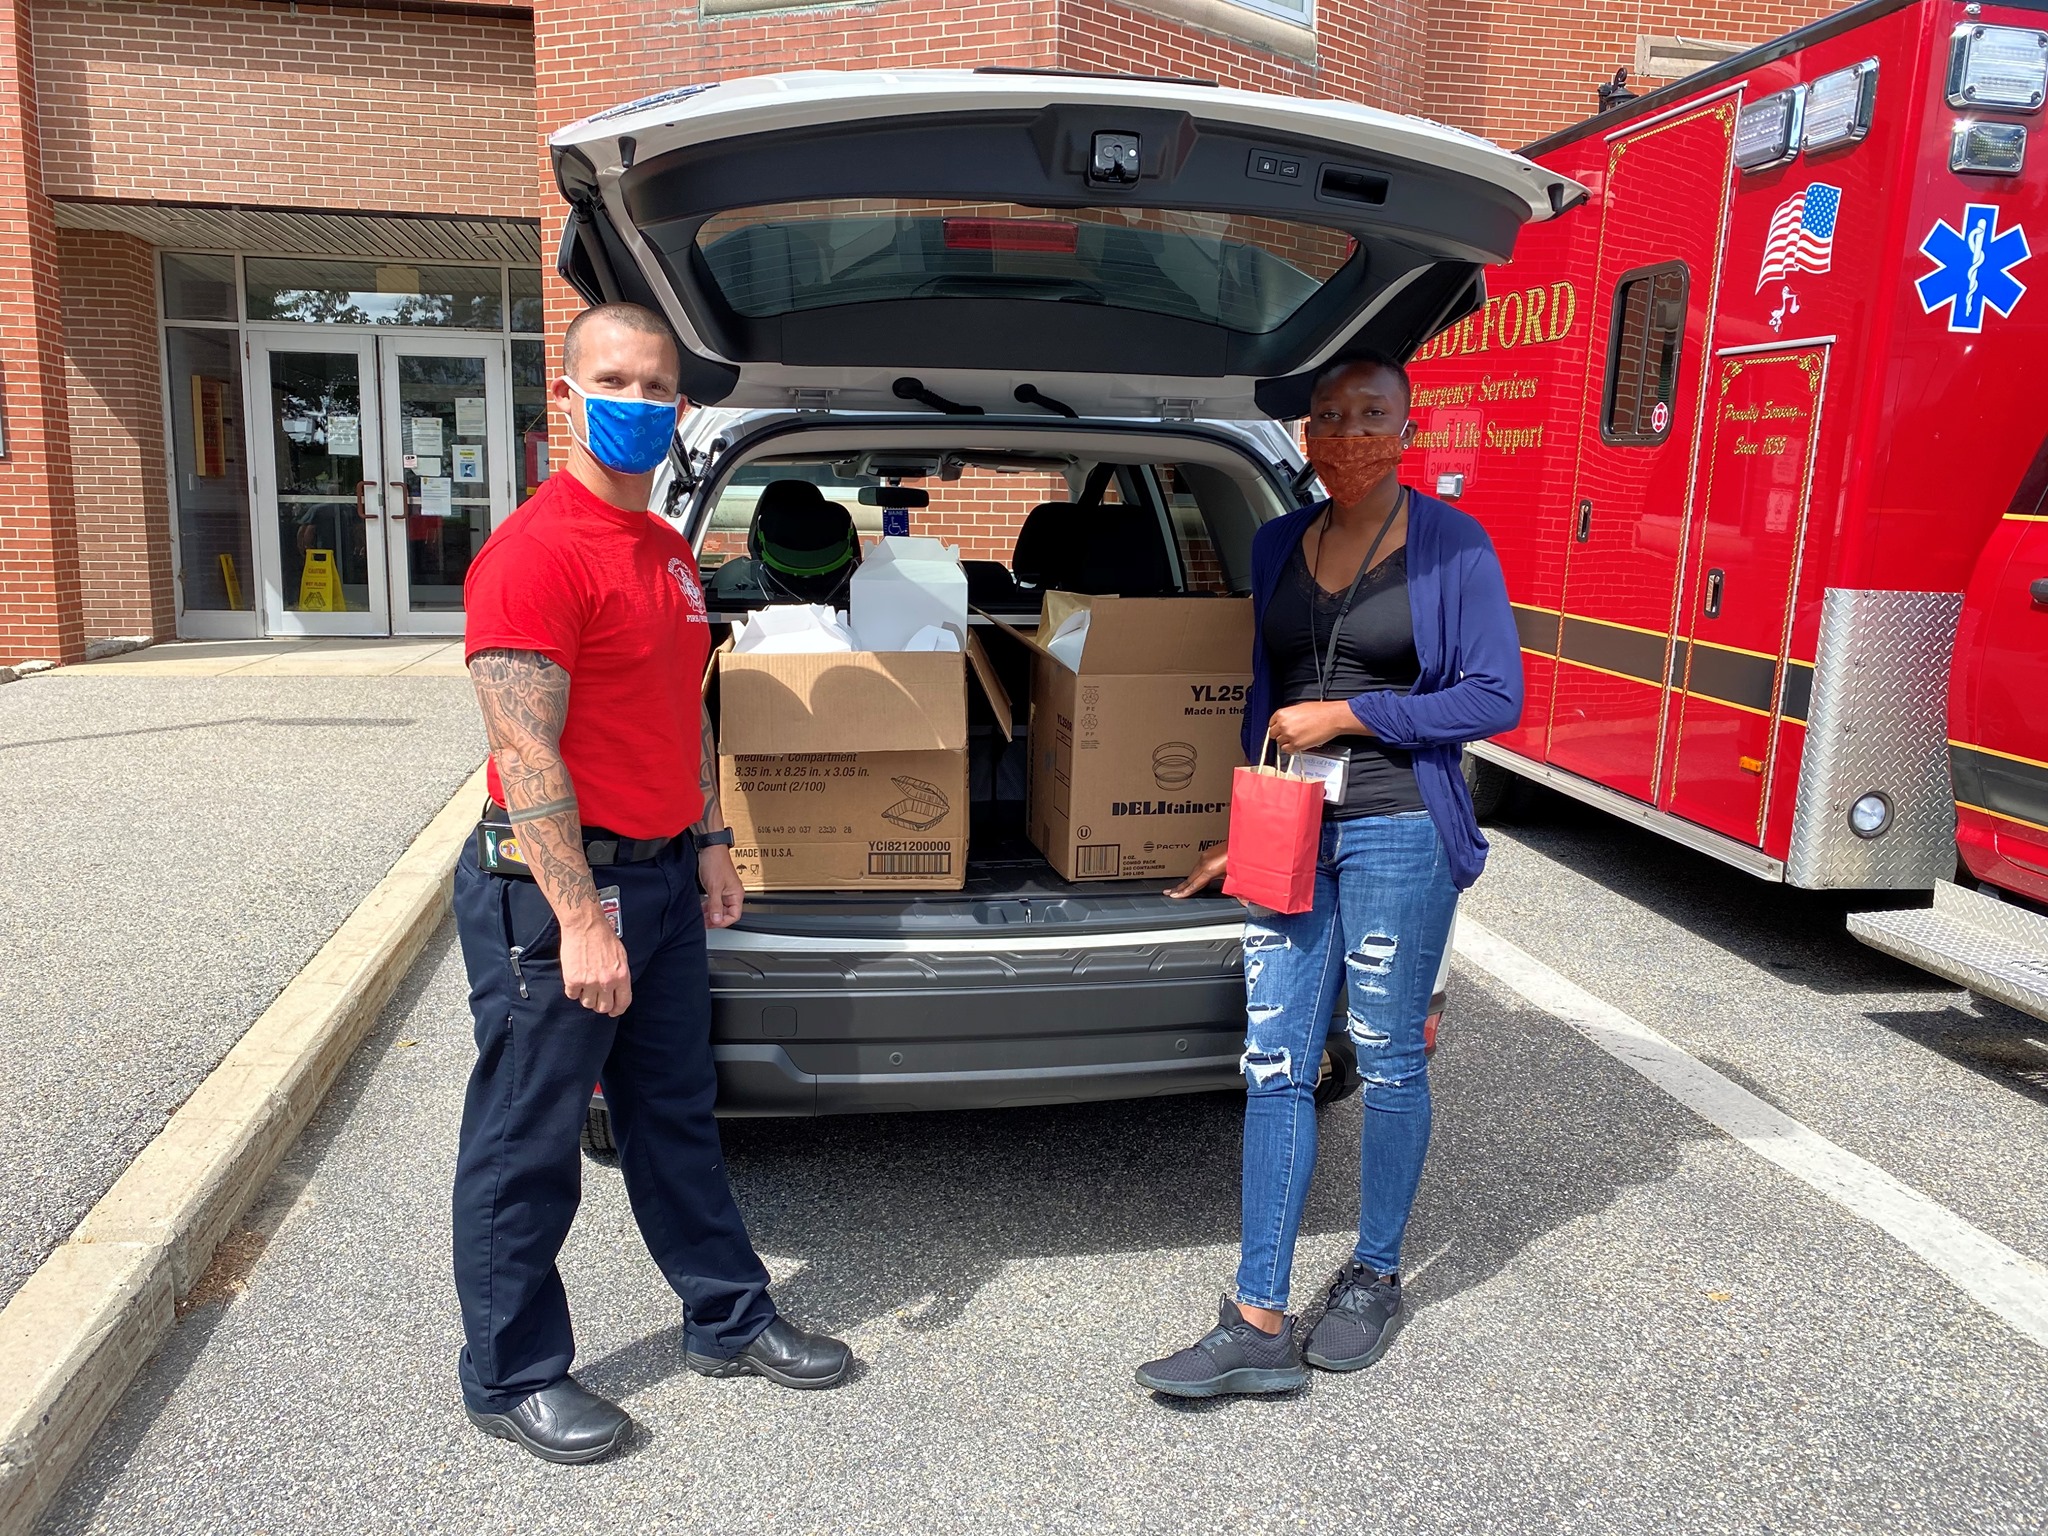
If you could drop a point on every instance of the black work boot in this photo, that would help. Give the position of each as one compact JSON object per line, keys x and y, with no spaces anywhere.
{"x":1359,"y":1320}
{"x":1236,"y":1357}
{"x":560,"y":1423}
{"x":786,"y":1355}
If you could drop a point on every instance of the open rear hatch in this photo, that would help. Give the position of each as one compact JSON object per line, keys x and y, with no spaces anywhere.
{"x":1125,"y":247}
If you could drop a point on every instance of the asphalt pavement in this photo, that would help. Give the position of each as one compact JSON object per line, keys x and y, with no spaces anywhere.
{"x":177,"y":848}
{"x":1624,"y":1321}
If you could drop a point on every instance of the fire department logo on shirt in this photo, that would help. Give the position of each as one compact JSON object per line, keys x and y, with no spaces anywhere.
{"x":692,"y":593}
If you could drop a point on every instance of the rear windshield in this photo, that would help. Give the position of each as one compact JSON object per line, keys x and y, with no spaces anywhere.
{"x":1246,"y":274}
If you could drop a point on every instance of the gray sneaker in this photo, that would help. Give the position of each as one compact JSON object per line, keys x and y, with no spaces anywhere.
{"x":1236,"y":1357}
{"x":1359,"y":1321}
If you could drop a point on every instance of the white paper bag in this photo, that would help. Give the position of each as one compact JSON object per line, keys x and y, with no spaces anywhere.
{"x":792,"y":629}
{"x":905,"y":584}
{"x":1068,"y":640}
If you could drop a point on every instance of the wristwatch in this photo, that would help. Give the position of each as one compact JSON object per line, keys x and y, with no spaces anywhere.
{"x":722,"y":838}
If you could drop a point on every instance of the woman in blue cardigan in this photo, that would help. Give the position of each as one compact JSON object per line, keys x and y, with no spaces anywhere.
{"x":1382,"y":643}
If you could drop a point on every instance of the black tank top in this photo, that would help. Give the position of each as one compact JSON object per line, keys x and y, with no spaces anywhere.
{"x":1375,"y":652}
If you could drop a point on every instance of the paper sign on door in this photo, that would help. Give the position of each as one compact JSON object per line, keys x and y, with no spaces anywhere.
{"x":436,"y":499}
{"x":345,"y":436}
{"x":426,"y":435}
{"x":468,"y":462}
{"x":469,"y":415}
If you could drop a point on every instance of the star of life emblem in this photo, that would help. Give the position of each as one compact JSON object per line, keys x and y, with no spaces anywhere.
{"x":1972,"y":267}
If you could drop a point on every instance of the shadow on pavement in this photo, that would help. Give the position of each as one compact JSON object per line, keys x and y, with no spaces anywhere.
{"x":902,"y":1219}
{"x":911,"y":1216}
{"x":1802,"y":935}
{"x":1996,"y":1042}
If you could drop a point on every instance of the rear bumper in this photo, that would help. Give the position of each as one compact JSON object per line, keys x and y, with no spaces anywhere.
{"x":811,"y":1032}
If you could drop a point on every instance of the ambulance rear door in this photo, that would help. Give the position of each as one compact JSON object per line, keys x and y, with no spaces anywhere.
{"x":1763,"y":425}
{"x":1663,"y":209}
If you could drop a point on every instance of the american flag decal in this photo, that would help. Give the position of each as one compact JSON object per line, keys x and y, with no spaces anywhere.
{"x":1802,"y":237}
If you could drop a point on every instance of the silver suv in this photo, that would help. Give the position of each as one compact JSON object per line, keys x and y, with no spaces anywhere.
{"x":1072,"y":311}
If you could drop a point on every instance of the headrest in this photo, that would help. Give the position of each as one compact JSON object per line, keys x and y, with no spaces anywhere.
{"x":806,"y":545}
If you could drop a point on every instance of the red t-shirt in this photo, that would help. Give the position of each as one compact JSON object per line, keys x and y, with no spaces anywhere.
{"x":611,"y":597}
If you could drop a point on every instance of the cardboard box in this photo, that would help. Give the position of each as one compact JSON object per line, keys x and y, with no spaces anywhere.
{"x":849,"y":771}
{"x":1131,"y":757}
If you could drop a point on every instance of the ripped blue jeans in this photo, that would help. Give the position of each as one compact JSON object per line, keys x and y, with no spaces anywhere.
{"x":1382,"y":915}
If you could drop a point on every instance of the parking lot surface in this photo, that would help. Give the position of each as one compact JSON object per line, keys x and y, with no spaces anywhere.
{"x":178,"y":847}
{"x":1624,"y":1320}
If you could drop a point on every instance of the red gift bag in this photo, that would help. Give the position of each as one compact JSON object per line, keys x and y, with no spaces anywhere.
{"x":1276,"y":828}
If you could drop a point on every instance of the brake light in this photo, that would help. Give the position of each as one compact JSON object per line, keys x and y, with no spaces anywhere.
{"x":1055,"y":236}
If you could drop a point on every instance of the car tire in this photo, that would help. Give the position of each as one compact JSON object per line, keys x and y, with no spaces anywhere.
{"x":1339,"y":1078}
{"x":1489,"y":784}
{"x":597,"y":1133}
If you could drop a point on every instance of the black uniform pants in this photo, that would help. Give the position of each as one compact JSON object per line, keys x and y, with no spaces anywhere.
{"x":519,"y":1173}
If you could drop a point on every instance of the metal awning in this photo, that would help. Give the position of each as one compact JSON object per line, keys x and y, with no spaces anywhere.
{"x":307,"y":232}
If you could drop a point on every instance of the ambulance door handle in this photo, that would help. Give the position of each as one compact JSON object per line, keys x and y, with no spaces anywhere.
{"x":1716,"y":579}
{"x":2038,"y":591}
{"x":1585,"y":521}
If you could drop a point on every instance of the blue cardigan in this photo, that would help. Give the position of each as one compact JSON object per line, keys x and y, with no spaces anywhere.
{"x":1470,"y":685}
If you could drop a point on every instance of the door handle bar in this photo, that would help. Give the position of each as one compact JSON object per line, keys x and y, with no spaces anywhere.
{"x":399,"y":486}
{"x":362,"y":506}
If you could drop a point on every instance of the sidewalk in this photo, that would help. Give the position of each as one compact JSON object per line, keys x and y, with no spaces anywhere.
{"x":189,"y":824}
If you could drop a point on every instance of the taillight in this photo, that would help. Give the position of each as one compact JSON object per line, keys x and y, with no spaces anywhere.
{"x":1053,"y":236}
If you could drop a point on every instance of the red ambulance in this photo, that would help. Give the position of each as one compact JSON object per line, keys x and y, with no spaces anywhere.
{"x":1761,"y":432}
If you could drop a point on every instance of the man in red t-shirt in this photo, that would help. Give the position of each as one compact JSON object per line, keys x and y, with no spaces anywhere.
{"x":598,"y":864}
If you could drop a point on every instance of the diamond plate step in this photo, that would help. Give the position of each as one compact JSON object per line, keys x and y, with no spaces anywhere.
{"x":1992,"y":948}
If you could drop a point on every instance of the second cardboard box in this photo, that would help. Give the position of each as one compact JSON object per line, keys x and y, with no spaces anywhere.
{"x":1131,"y":753}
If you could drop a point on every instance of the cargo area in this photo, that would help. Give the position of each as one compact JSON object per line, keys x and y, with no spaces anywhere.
{"x":1147,"y":530}
{"x":1009,"y":881}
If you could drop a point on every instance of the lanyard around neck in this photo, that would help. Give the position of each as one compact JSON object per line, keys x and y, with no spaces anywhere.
{"x":1326,"y":668}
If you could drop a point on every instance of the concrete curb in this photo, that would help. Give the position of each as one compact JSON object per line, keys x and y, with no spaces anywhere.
{"x":75,"y":1334}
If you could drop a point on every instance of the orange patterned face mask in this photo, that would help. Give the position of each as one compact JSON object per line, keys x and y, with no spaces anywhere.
{"x":1350,"y":467}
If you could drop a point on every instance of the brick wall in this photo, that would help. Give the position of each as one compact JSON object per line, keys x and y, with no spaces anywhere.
{"x":1368,"y":50}
{"x":1515,"y":70}
{"x":306,"y":105}
{"x":113,"y":382}
{"x":39,"y":590}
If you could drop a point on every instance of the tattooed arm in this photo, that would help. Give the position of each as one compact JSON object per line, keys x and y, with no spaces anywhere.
{"x":525,"y":702}
{"x":723,"y":896}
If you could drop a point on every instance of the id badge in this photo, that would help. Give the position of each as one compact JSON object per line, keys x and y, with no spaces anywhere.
{"x":608,"y":902}
{"x":498,"y":851}
{"x":1331,"y":767}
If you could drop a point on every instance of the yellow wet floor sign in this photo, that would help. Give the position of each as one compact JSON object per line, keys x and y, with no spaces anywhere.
{"x":320,"y":584}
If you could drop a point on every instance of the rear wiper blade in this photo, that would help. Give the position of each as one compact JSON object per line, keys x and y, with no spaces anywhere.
{"x":907,"y":388}
{"x":1031,"y":394}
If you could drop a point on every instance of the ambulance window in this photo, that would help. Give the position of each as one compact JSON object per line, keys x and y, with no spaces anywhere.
{"x":1642,"y":354}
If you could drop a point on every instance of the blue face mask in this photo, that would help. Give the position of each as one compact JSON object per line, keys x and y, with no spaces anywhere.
{"x":631,"y":436}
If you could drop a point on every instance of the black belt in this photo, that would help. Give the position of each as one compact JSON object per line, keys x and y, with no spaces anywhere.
{"x":599,"y":846}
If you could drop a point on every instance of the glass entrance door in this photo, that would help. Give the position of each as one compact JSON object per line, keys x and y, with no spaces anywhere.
{"x":317,"y":474}
{"x":382,"y":463}
{"x":448,"y":427}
